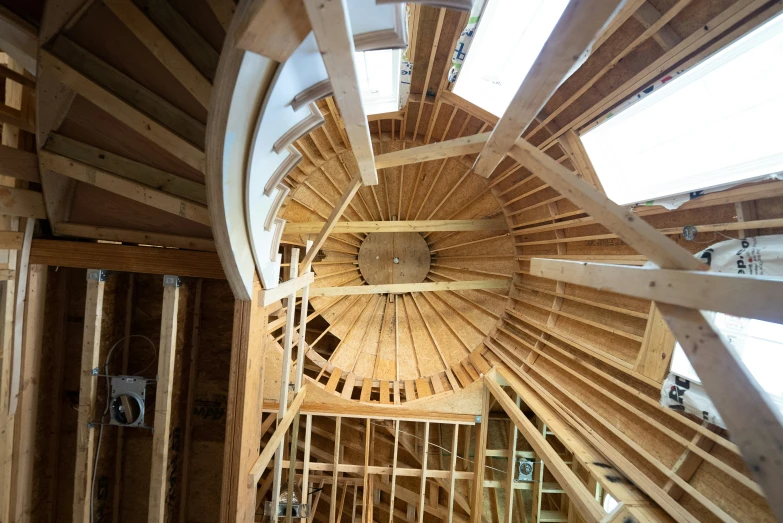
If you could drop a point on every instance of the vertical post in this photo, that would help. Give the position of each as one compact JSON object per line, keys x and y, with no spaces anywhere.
{"x":306,"y":464}
{"x":298,"y":385}
{"x":512,"y":460}
{"x":335,"y":473}
{"x":28,"y":394}
{"x":479,"y":462}
{"x":115,"y":510}
{"x":163,"y":392}
{"x":243,"y":416}
{"x":425,"y":453}
{"x":453,"y":470}
{"x":285,"y":376}
{"x":394,"y":468}
{"x":538,"y":477}
{"x":88,"y":391}
{"x":192,"y":375}
{"x":6,"y":421}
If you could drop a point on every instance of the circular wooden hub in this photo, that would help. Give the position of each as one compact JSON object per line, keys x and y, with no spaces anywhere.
{"x":380,"y":249}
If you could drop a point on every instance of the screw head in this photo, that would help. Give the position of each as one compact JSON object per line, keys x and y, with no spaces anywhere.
{"x":396,"y":260}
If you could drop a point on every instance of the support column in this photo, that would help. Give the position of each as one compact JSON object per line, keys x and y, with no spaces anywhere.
{"x":243,"y":417}
{"x":163,"y":392}
{"x":88,"y":391}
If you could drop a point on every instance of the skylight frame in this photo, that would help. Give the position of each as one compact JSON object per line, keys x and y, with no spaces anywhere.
{"x":613,"y":143}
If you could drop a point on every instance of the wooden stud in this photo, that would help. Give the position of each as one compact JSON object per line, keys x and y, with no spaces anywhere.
{"x":479,"y":461}
{"x":588,"y":507}
{"x":164,"y":390}
{"x":88,"y":391}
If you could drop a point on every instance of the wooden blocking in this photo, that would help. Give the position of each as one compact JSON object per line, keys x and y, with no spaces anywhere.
{"x":657,"y":347}
{"x":22,"y":202}
{"x":331,"y":25}
{"x":163,"y":394}
{"x":274,"y":28}
{"x":18,"y":164}
{"x":88,"y":391}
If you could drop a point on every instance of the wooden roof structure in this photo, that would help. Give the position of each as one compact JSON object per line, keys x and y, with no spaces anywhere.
{"x":442,"y":296}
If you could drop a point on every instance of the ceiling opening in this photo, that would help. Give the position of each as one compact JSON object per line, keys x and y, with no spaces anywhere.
{"x":379,"y":80}
{"x":715,"y":124}
{"x":508,"y":39}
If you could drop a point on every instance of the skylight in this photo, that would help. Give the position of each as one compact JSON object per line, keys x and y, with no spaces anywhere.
{"x":508,"y":39}
{"x":716,"y":124}
{"x":379,"y":80}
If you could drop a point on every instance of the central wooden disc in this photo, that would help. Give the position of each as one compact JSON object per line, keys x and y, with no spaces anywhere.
{"x":379,"y":250}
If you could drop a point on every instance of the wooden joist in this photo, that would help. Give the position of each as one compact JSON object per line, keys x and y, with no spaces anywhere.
{"x":19,"y":39}
{"x":159,"y":475}
{"x":745,"y":296}
{"x":425,"y":153}
{"x":400,"y":288}
{"x":331,"y":25}
{"x":124,"y":187}
{"x":129,"y":90}
{"x":163,"y":49}
{"x":579,"y":25}
{"x":342,"y":204}
{"x":153,"y":239}
{"x":120,"y":109}
{"x":126,"y":258}
{"x":127,"y":168}
{"x":399,"y":226}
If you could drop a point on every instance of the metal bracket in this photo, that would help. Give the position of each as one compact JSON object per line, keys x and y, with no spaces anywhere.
{"x":96,"y":275}
{"x":170,"y":280}
{"x":95,"y":371}
{"x":478,"y":419}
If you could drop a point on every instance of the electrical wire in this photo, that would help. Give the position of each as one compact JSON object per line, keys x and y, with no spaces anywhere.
{"x":106,"y":410}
